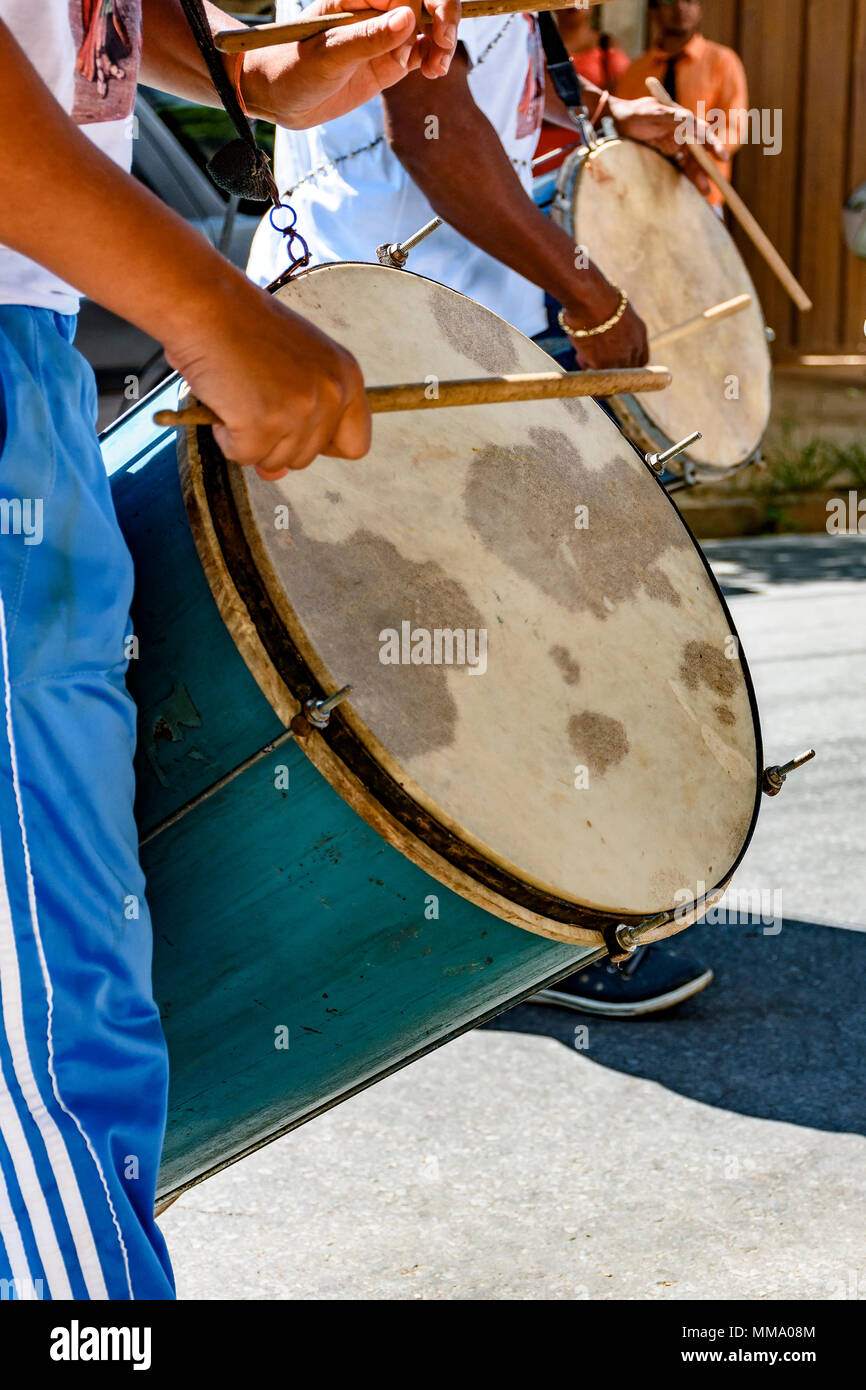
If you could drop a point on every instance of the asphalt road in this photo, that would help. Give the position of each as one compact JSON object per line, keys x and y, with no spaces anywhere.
{"x":717,"y":1152}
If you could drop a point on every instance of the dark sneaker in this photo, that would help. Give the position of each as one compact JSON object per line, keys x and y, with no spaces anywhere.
{"x":654,"y":978}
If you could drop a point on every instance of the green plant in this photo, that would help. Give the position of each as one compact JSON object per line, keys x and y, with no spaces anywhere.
{"x":851,"y":459}
{"x":799,"y":467}
{"x":776,"y":521}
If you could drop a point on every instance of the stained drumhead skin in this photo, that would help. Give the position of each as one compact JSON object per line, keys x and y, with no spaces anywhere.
{"x":650,"y":231}
{"x":598,"y":744}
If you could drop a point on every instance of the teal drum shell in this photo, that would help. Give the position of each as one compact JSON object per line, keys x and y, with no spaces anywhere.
{"x":298,"y":957}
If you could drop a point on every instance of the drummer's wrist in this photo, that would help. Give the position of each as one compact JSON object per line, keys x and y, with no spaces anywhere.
{"x":267,"y":86}
{"x":258,"y":83}
{"x":206,"y":312}
{"x":595,"y":304}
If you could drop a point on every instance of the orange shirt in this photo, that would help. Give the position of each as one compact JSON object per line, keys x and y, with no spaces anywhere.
{"x":603,"y":66}
{"x":705,"y":71}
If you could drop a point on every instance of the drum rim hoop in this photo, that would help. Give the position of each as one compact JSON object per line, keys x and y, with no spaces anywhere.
{"x":219,"y":534}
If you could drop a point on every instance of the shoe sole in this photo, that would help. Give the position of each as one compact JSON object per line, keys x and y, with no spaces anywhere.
{"x":647,"y":1006}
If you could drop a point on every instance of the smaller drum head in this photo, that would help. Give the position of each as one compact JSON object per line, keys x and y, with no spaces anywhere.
{"x":549,"y":711}
{"x":651,"y":231}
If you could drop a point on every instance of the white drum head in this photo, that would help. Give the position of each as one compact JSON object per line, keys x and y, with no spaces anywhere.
{"x":591,"y":747}
{"x":650,"y":231}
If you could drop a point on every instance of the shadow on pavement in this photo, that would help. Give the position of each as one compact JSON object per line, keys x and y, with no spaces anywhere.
{"x":778,"y":1035}
{"x":771,"y":560}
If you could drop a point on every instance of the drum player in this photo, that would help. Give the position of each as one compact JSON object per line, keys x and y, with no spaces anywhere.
{"x":83,"y":1072}
{"x":461,"y":148}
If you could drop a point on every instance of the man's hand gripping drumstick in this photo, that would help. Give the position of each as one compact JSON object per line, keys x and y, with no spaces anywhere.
{"x":647,"y":120}
{"x":298,"y":85}
{"x":308,"y":24}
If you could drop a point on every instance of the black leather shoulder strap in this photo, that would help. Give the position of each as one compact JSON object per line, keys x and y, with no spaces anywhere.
{"x":242,"y":168}
{"x":562,"y":72}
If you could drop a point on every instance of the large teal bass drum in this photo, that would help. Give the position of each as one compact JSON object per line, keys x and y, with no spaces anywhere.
{"x":548,"y":733}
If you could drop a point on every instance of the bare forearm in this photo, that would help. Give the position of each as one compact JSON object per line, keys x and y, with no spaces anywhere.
{"x":171,"y":59}
{"x":484,"y":200}
{"x":66,"y":205}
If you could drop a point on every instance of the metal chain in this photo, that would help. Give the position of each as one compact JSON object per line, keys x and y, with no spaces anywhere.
{"x":297,"y":249}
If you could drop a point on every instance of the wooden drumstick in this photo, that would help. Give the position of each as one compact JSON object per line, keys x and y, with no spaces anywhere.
{"x":749,"y":224}
{"x":483,"y":390}
{"x":724,"y":310}
{"x":264,"y":35}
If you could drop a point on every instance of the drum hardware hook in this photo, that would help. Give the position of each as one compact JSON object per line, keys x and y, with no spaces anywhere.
{"x":774,"y":777}
{"x":657,"y":461}
{"x":317,"y":713}
{"x":580,"y":117}
{"x":396,"y":253}
{"x":622,"y":941}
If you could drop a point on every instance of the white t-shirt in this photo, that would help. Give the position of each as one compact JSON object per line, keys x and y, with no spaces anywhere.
{"x":352,"y":194}
{"x":88,"y":53}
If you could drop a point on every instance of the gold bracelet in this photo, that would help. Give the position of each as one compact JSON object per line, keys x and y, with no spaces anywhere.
{"x":602,"y":327}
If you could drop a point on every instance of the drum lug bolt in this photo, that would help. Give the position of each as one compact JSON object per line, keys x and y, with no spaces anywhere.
{"x":318,"y":712}
{"x":392,"y":254}
{"x":622,"y":941}
{"x":774,"y":777}
{"x":771,"y":334}
{"x":657,"y":461}
{"x":396,"y":253}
